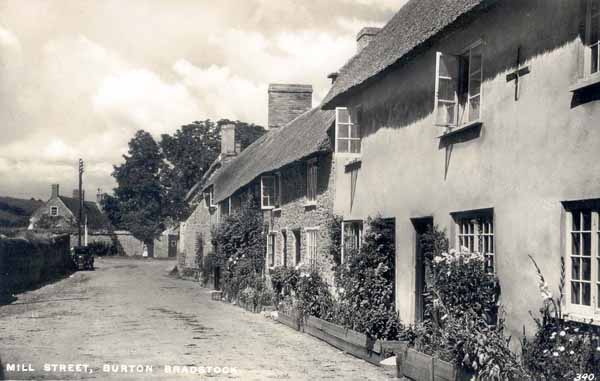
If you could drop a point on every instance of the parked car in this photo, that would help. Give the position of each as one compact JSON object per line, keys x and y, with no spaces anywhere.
{"x":83,"y":259}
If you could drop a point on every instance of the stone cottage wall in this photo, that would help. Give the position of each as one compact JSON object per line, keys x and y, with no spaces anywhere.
{"x":296,"y":215}
{"x":197,"y":227}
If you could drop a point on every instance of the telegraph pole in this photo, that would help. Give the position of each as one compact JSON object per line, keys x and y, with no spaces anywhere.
{"x":80,"y":202}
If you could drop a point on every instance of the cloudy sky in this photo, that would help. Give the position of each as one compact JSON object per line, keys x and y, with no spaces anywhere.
{"x":79,"y":77}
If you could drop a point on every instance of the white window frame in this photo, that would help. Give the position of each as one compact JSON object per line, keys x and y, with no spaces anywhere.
{"x":312,"y":181}
{"x":347,"y":125}
{"x":460,"y":110}
{"x":312,"y":246}
{"x":589,"y":44}
{"x":54,"y":211}
{"x":343,"y":240}
{"x":581,"y":312}
{"x":273,"y":199}
{"x":479,"y":235}
{"x":211,"y":197}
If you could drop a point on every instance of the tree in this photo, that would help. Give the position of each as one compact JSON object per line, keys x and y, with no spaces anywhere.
{"x":112,"y":209}
{"x":139,"y":190}
{"x":189,"y":152}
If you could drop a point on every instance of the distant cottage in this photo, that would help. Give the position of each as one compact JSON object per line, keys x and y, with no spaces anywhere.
{"x":62,"y":213}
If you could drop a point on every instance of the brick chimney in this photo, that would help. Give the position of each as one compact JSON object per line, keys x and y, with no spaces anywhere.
{"x":287,"y":102}
{"x":76,"y":194}
{"x":229,"y":148}
{"x":364,"y":37}
{"x":55,"y":191}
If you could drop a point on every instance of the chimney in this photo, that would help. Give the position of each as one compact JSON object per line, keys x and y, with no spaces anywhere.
{"x":228,"y":144}
{"x":76,"y":194}
{"x":364,"y":37}
{"x":333,"y":76}
{"x":55,"y":191}
{"x":287,"y":102}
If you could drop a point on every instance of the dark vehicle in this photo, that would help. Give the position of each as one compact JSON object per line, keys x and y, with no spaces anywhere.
{"x":83,"y":259}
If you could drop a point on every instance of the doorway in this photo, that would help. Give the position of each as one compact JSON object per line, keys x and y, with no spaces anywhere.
{"x":421,"y":226}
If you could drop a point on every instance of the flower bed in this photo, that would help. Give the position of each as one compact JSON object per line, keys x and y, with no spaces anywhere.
{"x":420,"y":366}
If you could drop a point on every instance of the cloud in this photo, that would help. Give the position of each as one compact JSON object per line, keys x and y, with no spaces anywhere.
{"x":77,"y":79}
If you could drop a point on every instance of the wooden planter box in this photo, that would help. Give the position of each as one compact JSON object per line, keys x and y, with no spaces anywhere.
{"x":419,"y":366}
{"x":292,"y":321}
{"x":355,"y":343}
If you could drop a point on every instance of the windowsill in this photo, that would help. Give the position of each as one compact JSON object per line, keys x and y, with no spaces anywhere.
{"x":310,"y":205}
{"x":276,"y":210}
{"x":582,"y":319}
{"x":585,"y":83}
{"x":353,"y":164}
{"x":460,"y":129}
{"x":347,"y":155}
{"x":267,"y":208}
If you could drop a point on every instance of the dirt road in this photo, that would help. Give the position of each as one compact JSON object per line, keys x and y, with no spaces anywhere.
{"x":129,"y":320}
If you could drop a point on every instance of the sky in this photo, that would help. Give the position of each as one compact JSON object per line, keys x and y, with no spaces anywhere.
{"x":79,"y":77}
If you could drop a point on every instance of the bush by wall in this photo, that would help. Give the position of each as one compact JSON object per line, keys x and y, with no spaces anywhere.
{"x":26,"y":263}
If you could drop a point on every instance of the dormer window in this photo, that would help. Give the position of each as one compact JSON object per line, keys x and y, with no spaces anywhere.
{"x":458,"y":87}
{"x":54,"y":211}
{"x":347,"y":134}
{"x":269,"y":191}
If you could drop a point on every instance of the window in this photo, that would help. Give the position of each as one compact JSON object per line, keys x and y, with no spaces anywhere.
{"x":54,"y":211}
{"x":210,"y":197}
{"x":284,"y":250}
{"x":593,"y":37}
{"x":271,"y":244}
{"x":311,"y":246}
{"x":297,"y":246}
{"x":475,"y":232}
{"x":311,"y":181}
{"x":351,"y":237}
{"x":583,"y":260}
{"x":269,"y":191}
{"x":346,"y":131}
{"x":458,"y":87}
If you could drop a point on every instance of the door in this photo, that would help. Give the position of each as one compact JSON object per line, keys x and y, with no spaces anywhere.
{"x":172,"y":246}
{"x":421,"y":226}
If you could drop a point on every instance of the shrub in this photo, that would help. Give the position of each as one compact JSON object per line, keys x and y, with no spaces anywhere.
{"x":560,"y":349}
{"x":240,"y":246}
{"x":313,"y":296}
{"x":366,"y":285}
{"x":284,"y":281}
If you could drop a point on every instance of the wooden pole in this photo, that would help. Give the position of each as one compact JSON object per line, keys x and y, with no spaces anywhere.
{"x":80,"y":202}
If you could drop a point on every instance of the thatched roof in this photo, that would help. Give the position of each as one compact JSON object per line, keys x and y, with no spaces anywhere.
{"x":302,"y":137}
{"x":414,"y":25}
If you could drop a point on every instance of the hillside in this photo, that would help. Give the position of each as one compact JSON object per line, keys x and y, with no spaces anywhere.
{"x":15,"y":212}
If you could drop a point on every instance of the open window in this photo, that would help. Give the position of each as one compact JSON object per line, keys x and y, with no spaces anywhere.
{"x":593,"y":37}
{"x":351,"y":237}
{"x":347,"y":134}
{"x":269,"y":191}
{"x":458,"y":87}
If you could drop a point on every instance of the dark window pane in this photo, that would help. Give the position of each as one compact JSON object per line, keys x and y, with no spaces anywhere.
{"x":576,"y":221}
{"x":587,"y":269}
{"x":594,"y":29}
{"x":448,"y":66}
{"x":342,"y":145}
{"x":446,"y":113}
{"x":587,"y":244}
{"x":585,"y":294}
{"x":575,"y":269}
{"x":355,"y":146}
{"x":474,"y":107}
{"x":575,"y":293}
{"x":587,"y":220}
{"x":354,"y":131}
{"x":594,"y":59}
{"x":575,"y":244}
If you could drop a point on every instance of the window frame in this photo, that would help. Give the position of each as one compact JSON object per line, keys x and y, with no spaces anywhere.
{"x":274,"y":201}
{"x":271,"y":248}
{"x":312,"y":181}
{"x":352,"y":121}
{"x":482,"y":232}
{"x":210,"y":197}
{"x":359,"y":239}
{"x":54,"y":211}
{"x":589,"y":44}
{"x":581,"y":312}
{"x":461,"y":107}
{"x":312,"y":245}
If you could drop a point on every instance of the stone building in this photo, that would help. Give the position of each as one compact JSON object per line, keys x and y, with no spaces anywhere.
{"x":61,"y":213}
{"x":290,"y":169}
{"x":481,"y":117}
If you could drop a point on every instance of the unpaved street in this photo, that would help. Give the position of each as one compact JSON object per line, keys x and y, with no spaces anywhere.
{"x":130,"y":312}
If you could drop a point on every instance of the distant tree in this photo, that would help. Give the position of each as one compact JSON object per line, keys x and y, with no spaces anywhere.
{"x":139,"y":191}
{"x":112,"y":209}
{"x":189,"y":152}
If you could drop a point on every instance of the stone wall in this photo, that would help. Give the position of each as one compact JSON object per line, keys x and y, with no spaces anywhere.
{"x":296,"y":215}
{"x":196,"y":236}
{"x":26,"y":263}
